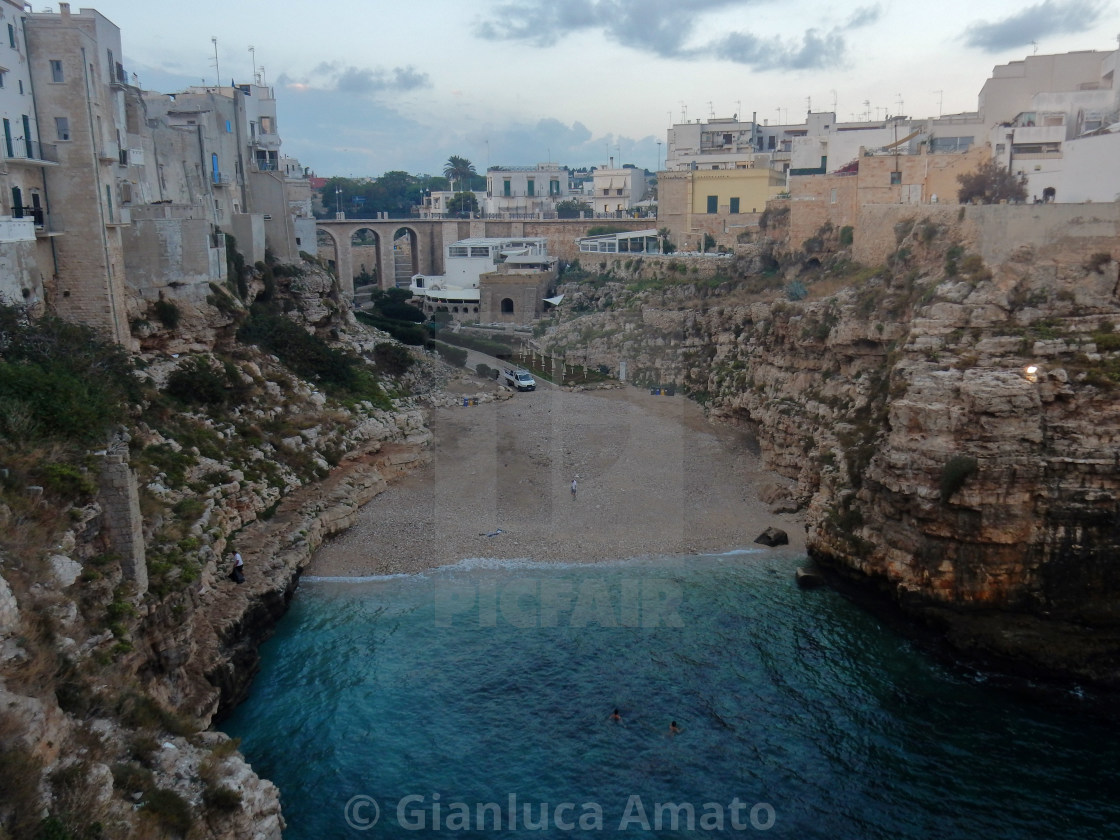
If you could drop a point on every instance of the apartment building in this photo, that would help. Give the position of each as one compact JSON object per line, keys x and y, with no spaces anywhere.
{"x":526,"y":190}
{"x":25,"y":223}
{"x":617,"y":190}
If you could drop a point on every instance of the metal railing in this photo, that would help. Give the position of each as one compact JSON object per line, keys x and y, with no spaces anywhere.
{"x":20,"y":149}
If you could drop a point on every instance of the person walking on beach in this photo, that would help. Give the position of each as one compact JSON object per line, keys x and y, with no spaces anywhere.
{"x":573,"y":488}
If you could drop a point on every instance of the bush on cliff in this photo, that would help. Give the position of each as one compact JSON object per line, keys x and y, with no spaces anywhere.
{"x":60,"y":381}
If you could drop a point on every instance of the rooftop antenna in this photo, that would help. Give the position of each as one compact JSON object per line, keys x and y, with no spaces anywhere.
{"x":900,"y":108}
{"x":809,"y":104}
{"x":833,"y":92}
{"x":217,"y":70}
{"x":867,"y":112}
{"x":738,"y":108}
{"x":253,"y":53}
{"x":940,"y":100}
{"x":684,"y":113}
{"x":711,"y":110}
{"x":1035,"y":45}
{"x":670,"y":117}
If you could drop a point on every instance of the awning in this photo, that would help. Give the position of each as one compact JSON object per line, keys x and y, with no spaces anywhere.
{"x":555,"y":301}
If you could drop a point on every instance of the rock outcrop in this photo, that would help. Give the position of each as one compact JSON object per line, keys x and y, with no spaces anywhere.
{"x":952,"y":426}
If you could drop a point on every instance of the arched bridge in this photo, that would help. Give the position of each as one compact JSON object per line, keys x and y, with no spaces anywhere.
{"x":390,"y":251}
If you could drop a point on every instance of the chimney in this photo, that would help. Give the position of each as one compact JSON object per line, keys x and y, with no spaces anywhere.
{"x":64,"y":8}
{"x":612,"y":162}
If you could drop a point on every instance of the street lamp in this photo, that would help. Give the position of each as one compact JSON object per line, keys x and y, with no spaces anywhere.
{"x":338,"y":202}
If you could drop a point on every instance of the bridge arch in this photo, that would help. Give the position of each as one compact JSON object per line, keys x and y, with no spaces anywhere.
{"x":365,"y":245}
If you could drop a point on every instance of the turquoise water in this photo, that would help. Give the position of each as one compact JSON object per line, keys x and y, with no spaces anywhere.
{"x":434,"y":699}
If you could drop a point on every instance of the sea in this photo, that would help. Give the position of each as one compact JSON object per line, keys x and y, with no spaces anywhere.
{"x":480,"y":699}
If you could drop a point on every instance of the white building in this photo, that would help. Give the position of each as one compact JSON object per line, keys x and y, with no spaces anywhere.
{"x":526,"y":191}
{"x":465,"y":261}
{"x":25,"y":221}
{"x":617,"y":190}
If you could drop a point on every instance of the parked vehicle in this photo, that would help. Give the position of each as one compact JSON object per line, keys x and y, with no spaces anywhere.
{"x":519,"y":378}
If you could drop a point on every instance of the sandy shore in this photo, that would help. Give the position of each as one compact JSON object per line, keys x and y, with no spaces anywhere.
{"x":654,"y":477}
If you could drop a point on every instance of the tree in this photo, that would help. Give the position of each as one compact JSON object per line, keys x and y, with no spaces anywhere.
{"x":571,"y":208}
{"x":991,"y":183}
{"x":463,"y":203}
{"x":459,"y":169}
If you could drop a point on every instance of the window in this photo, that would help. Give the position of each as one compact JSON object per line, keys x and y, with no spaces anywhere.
{"x":770,"y":142}
{"x":21,"y":87}
{"x":713,"y":203}
{"x":266,"y":125}
{"x":109,"y":202}
{"x":507,"y":306}
{"x":832,"y":196}
{"x":56,"y":71}
{"x":62,"y":127}
{"x":8,"y":137}
{"x":554,"y":187}
{"x":505,"y":187}
{"x":229,"y":128}
{"x":735,"y":205}
{"x":618,"y":192}
{"x":896,"y":178}
{"x":530,"y":187}
{"x":3,"y":73}
{"x":11,"y":36}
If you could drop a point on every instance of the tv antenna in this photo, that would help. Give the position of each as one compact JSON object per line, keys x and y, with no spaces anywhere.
{"x":253,"y":53}
{"x":217,"y":69}
{"x":833,"y":92}
{"x":940,"y":100}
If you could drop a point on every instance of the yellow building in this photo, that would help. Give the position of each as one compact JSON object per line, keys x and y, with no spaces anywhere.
{"x":719,"y":202}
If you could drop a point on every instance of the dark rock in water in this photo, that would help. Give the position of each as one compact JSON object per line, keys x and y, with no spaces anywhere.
{"x":808,"y":579}
{"x":772,"y":537}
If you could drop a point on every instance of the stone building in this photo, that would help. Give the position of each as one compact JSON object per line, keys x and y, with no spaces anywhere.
{"x":617,"y":190}
{"x":722,"y":203}
{"x":79,"y":90}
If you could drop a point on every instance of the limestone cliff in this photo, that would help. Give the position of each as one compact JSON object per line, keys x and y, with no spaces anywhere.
{"x":949,"y":425}
{"x":122,"y":639}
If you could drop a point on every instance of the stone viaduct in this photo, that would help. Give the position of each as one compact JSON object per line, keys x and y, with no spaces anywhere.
{"x":424,"y":240}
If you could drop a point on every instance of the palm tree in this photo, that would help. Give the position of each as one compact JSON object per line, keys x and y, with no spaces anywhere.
{"x":459,"y":169}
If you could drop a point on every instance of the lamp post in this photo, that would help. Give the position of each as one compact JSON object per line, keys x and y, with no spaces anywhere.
{"x":338,"y":202}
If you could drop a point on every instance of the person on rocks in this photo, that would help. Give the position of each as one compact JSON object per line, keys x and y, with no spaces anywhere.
{"x":238,"y":573}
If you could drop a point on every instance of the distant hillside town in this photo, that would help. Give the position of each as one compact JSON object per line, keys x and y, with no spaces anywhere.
{"x":115,"y":198}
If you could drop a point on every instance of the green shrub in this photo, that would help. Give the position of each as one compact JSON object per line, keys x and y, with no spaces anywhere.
{"x":1098,"y":261}
{"x":954,"y":474}
{"x":452,"y":355}
{"x":202,"y":381}
{"x":393,"y":359}
{"x":60,"y":380}
{"x":68,"y":481}
{"x":796,"y":291}
{"x":221,"y":798}
{"x":847,"y":236}
{"x":483,"y":370}
{"x":403,"y":331}
{"x":170,"y":809}
{"x":167,"y":311}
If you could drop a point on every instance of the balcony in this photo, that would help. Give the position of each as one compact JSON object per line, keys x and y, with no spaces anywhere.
{"x":46,"y":224}
{"x":31,"y":152}
{"x":220,"y":179}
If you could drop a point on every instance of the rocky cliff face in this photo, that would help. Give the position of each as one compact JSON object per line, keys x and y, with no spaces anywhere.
{"x":949,"y":427}
{"x":109,"y":679}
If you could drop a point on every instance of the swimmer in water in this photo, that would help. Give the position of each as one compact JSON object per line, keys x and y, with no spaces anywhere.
{"x":674,"y":729}
{"x":615,"y":716}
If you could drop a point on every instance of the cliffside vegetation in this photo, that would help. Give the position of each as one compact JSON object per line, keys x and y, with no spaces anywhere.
{"x":105,"y":692}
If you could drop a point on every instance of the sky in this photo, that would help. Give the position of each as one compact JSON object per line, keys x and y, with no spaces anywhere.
{"x":368,"y":86}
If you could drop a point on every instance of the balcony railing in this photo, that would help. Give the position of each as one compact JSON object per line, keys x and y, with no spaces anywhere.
{"x":31,"y":151}
{"x":219,"y":179}
{"x":44,"y":222}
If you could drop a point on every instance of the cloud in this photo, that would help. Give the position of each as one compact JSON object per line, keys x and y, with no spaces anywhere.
{"x":364,"y":81}
{"x":668,"y":29}
{"x":1051,"y":17}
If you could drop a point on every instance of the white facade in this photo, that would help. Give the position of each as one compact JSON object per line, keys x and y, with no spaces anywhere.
{"x":526,"y":190}
{"x":617,"y":190}
{"x":465,"y":262}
